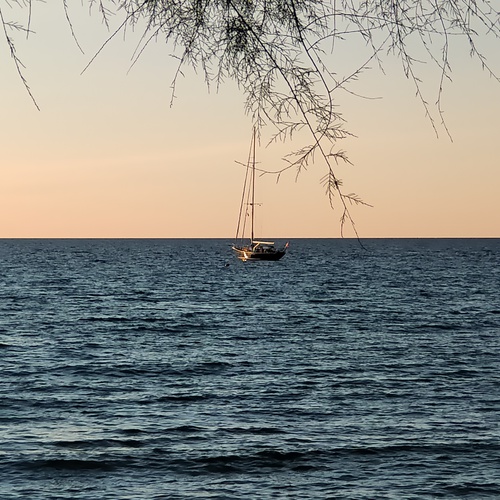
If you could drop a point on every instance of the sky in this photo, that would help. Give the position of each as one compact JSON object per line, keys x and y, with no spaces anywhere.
{"x":107,"y":156}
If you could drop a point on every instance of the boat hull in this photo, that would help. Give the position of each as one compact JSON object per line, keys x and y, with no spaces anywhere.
{"x":247,"y":253}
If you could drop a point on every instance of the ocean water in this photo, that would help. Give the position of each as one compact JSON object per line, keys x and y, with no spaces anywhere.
{"x":167,"y":369}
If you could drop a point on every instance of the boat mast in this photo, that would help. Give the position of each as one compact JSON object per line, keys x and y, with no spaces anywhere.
{"x":253,"y":181}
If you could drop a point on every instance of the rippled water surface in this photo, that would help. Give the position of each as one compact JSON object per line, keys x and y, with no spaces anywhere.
{"x":166,"y":369}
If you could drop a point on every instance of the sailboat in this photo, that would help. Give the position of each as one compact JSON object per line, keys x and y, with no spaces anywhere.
{"x":254,"y":249}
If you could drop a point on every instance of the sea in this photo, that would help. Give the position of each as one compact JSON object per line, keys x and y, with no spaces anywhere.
{"x":151,"y":369}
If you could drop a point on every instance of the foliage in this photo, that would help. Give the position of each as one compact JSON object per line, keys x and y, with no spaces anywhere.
{"x":279,"y":53}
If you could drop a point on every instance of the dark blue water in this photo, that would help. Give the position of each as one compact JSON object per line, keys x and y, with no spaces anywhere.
{"x":167,"y":369}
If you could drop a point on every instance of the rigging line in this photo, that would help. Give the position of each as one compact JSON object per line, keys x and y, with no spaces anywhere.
{"x":242,"y":203}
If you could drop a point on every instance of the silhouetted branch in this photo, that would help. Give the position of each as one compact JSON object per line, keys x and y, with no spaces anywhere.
{"x":7,"y":25}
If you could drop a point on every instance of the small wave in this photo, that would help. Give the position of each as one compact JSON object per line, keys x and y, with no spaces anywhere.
{"x":253,"y":430}
{"x":328,"y":300}
{"x":183,"y":398}
{"x":437,"y":326}
{"x":99,"y":443}
{"x":428,"y":449}
{"x":316,"y":459}
{"x":70,"y":465}
{"x":469,"y":489}
{"x":266,"y":459}
{"x":159,"y":328}
{"x":106,"y":319}
{"x":186,"y":428}
{"x":131,"y":432}
{"x":239,"y":338}
{"x":207,"y":367}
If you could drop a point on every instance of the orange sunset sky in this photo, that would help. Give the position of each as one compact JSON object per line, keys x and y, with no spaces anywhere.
{"x":106,"y":156}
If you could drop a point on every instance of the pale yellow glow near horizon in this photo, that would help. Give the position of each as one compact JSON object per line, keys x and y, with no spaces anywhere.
{"x":108,"y":157}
